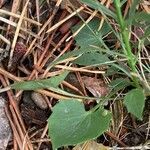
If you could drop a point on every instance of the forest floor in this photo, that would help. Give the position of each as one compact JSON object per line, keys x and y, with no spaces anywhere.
{"x":96,"y":53}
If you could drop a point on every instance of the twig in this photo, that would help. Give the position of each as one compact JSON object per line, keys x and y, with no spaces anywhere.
{"x":116,"y":139}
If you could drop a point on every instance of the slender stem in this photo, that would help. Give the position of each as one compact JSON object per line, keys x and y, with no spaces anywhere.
{"x":125,"y":36}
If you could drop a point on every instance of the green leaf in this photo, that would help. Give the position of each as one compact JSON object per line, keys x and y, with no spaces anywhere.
{"x":90,"y":59}
{"x":119,"y":83}
{"x":76,"y":53}
{"x":89,"y":35}
{"x":83,"y":50}
{"x":112,"y":71}
{"x":132,"y":11}
{"x":40,"y":84}
{"x":123,"y":2}
{"x":147,"y":32}
{"x":122,"y":68}
{"x":70,"y":124}
{"x":142,"y":16}
{"x":135,"y":101}
{"x":62,"y":92}
{"x":98,"y":6}
{"x":141,"y":19}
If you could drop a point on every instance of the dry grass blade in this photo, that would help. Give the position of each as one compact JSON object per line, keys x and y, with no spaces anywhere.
{"x":4,"y":39}
{"x":107,"y":6}
{"x":18,"y":16}
{"x":9,"y":22}
{"x":16,"y":135}
{"x":64,"y":20}
{"x":43,"y":28}
{"x":79,"y":69}
{"x":16,"y":116}
{"x":9,"y":75}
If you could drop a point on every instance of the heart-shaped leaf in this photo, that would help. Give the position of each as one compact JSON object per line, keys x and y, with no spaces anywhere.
{"x":70,"y":124}
{"x":134,"y":101}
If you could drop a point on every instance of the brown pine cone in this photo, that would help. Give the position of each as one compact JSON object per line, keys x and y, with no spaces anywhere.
{"x":19,"y":51}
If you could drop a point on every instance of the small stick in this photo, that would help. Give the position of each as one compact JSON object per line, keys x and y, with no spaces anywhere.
{"x":81,"y":82}
{"x":42,"y":136}
{"x":116,"y":139}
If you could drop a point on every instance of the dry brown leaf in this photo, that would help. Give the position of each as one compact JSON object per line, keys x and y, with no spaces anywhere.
{"x":90,"y":145}
{"x":96,"y":86}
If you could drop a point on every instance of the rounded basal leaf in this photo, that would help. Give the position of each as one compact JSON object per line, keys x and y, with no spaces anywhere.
{"x":70,"y":124}
{"x":134,"y":101}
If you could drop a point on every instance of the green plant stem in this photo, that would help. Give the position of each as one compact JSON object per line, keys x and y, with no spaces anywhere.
{"x":125,"y":36}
